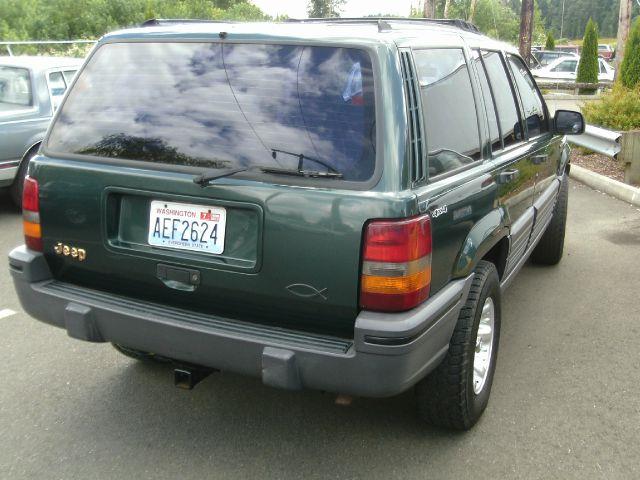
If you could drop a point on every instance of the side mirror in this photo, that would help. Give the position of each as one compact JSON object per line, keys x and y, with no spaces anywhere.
{"x":568,"y":123}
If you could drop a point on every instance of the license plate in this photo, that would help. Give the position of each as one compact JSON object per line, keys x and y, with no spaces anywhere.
{"x":185,"y":226}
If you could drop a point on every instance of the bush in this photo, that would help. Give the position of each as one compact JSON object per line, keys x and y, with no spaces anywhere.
{"x":630,"y":68}
{"x":588,"y":66}
{"x":618,"y":109}
{"x":551,"y":43}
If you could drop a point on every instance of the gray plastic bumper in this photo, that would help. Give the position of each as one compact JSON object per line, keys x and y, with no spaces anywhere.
{"x":388,"y":354}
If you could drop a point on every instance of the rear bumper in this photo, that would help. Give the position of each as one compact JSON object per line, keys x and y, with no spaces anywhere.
{"x":388,"y":354}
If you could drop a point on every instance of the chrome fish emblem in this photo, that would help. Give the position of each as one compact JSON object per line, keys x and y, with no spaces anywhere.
{"x":307,"y":291}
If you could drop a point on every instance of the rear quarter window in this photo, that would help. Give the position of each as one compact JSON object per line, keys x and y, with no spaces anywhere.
{"x":224,"y":106}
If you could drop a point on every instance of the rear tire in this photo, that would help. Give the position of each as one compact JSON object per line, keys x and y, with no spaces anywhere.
{"x":139,"y":354}
{"x":452,"y":396}
{"x":18,"y":182}
{"x":551,"y":246}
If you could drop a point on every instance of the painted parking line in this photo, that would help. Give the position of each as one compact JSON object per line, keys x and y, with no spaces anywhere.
{"x":6,"y":313}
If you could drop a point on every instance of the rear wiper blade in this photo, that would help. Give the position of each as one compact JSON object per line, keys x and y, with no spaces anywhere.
{"x":208,"y":176}
{"x":301,"y":173}
{"x":301,"y":158}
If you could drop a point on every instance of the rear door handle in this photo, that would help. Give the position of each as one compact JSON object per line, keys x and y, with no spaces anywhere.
{"x":539,"y":159}
{"x":508,"y":176}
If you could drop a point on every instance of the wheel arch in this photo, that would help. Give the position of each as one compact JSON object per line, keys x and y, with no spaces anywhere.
{"x":487,"y":240}
{"x":28,"y":152}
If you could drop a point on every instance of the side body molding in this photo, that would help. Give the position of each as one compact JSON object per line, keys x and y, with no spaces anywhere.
{"x":484,"y":235}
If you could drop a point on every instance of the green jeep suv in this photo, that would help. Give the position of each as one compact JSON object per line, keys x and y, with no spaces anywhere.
{"x":325,"y":204}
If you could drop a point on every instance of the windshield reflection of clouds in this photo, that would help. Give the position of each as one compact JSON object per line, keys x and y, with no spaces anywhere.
{"x":222,"y":106}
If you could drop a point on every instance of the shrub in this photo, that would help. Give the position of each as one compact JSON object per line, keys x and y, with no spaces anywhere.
{"x":551,"y":43}
{"x":630,"y":68}
{"x":618,"y":109}
{"x":588,"y":66}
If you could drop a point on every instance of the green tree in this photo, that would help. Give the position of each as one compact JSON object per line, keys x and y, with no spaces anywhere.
{"x":90,"y":19}
{"x":324,"y":8}
{"x":588,"y":66}
{"x":550,"y":44}
{"x":630,"y":68}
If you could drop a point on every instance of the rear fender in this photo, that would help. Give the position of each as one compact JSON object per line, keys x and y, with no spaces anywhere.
{"x":484,"y":235}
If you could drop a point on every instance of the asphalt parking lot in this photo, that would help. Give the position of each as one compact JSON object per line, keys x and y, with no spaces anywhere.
{"x":565,"y":401}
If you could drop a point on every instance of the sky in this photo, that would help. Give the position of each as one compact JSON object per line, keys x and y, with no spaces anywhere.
{"x":352,"y":8}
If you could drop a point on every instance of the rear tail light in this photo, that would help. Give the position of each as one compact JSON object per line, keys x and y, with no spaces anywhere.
{"x":31,"y":214}
{"x":396,"y":264}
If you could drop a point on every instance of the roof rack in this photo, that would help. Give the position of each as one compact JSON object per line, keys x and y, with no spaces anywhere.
{"x":385,"y":23}
{"x":154,"y":22}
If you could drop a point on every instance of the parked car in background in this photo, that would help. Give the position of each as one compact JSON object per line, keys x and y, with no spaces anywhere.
{"x":574,"y":49}
{"x":30,"y":90}
{"x":545,"y":57}
{"x":533,"y":62}
{"x":606,"y":51}
{"x":566,"y":68}
{"x":327,"y":204}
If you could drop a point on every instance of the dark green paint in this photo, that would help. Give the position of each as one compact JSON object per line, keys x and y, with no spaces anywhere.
{"x":281,"y":235}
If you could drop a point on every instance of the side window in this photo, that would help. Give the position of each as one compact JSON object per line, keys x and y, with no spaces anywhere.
{"x":568,"y":66}
{"x":57,"y":87}
{"x":450,"y":118}
{"x":15,"y":88}
{"x":489,"y":102}
{"x":603,"y":69}
{"x":508,"y":117}
{"x":532,"y":104}
{"x":68,"y":75}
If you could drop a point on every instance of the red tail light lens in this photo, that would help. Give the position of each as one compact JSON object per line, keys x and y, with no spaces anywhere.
{"x":396,"y":267}
{"x":31,"y":214}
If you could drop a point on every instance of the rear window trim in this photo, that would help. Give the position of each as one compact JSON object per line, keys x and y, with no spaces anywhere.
{"x":336,"y":184}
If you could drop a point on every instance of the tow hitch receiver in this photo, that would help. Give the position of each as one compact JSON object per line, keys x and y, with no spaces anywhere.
{"x":188,"y":377}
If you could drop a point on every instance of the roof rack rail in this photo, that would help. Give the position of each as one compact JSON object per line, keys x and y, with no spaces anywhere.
{"x":154,"y":22}
{"x":385,"y":23}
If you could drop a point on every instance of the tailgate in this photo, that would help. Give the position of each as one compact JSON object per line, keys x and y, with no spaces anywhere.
{"x":291,"y":256}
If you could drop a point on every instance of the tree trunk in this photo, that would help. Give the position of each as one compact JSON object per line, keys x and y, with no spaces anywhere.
{"x":429,"y":9}
{"x":624,"y":23}
{"x":447,"y":5}
{"x":526,"y":29}
{"x":472,"y":10}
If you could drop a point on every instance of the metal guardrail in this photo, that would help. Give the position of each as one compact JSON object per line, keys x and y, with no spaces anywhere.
{"x":600,"y":140}
{"x":7,"y":45}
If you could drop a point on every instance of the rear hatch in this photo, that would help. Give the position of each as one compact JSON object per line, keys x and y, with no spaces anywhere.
{"x":268,"y":244}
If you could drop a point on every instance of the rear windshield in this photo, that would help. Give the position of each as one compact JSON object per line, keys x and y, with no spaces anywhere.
{"x":15,"y":88}
{"x":224,"y":106}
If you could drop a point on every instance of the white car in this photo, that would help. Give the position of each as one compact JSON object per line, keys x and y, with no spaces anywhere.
{"x":566,"y":68}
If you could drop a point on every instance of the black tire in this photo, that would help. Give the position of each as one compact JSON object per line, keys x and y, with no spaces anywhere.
{"x":551,"y":246}
{"x":18,"y":182}
{"x":139,"y":354}
{"x":446,"y":397}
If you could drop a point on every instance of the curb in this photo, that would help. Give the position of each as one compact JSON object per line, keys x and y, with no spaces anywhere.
{"x":616,"y":189}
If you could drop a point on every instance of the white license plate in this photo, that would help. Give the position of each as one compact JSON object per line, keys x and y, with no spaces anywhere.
{"x":186,"y":226}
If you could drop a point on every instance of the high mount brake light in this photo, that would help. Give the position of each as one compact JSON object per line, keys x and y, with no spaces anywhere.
{"x":396,"y":264}
{"x":31,"y":214}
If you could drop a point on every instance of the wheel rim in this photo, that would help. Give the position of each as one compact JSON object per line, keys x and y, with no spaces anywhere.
{"x":484,"y":345}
